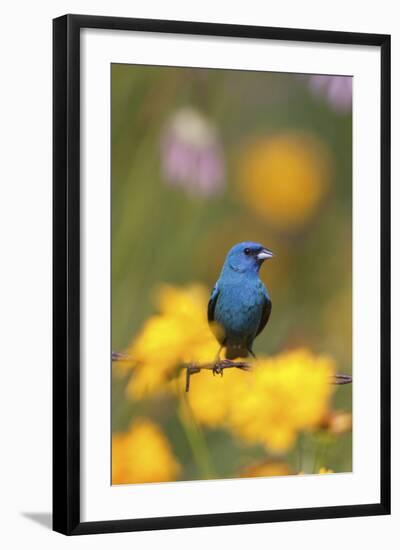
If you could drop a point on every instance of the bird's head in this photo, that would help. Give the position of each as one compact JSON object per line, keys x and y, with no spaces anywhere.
{"x":247,"y":257}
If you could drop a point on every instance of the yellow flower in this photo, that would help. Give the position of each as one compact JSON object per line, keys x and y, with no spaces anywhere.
{"x":284,"y":178}
{"x":210,"y":396}
{"x":280,"y":397}
{"x":178,"y":334}
{"x":266,"y":469}
{"x":142,"y":455}
{"x":285,"y":394}
{"x":272,"y":403}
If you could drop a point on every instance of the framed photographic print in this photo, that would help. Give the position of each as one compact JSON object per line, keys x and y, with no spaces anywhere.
{"x":221,"y":274}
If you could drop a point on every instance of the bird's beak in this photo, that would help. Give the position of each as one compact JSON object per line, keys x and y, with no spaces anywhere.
{"x":265,"y":254}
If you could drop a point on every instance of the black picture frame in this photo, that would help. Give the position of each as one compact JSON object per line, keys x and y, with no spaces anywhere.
{"x":66,"y":273}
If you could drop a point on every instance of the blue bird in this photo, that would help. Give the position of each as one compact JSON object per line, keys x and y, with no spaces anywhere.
{"x":240,"y":306}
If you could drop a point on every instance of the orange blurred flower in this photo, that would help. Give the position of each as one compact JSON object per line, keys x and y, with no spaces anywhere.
{"x":266,"y":469}
{"x":322,"y":470}
{"x":337,"y":422}
{"x":285,"y":177}
{"x":142,"y":455}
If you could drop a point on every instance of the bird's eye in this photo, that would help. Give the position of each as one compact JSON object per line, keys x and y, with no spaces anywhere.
{"x":247,"y":251}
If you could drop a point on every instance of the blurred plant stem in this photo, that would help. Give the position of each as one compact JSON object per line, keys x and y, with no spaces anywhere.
{"x":195,"y":439}
{"x":307,"y":450}
{"x":300,"y":452}
{"x":321,"y":448}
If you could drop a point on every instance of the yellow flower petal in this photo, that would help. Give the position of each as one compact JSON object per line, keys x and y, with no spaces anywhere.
{"x":142,"y":455}
{"x":178,"y":334}
{"x":280,"y":397}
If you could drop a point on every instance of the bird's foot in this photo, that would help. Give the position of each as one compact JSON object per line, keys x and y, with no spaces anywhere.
{"x":218,"y":369}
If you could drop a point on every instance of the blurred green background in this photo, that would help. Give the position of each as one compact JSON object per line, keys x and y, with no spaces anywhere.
{"x":202,"y":159}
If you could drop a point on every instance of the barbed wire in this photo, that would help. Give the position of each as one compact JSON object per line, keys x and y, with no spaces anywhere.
{"x":218,"y":367}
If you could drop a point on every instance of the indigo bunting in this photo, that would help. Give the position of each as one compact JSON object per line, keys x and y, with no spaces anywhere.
{"x":240,"y":306}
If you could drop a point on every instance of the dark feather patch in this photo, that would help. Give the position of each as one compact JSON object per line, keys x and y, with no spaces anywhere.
{"x":266,"y":312}
{"x":212,"y":303}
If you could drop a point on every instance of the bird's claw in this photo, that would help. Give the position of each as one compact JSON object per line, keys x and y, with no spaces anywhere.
{"x":217,"y":369}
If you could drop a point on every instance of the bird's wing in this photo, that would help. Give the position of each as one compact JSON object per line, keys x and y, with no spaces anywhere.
{"x":266,"y":312}
{"x":212,"y":303}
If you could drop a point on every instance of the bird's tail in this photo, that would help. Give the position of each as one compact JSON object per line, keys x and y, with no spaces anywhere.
{"x":233,"y":352}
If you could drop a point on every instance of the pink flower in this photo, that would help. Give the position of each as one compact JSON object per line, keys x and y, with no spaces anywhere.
{"x":337,"y":90}
{"x":191,"y":155}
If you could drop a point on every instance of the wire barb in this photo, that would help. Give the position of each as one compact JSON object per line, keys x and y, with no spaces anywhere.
{"x":218,"y":367}
{"x":119,"y":356}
